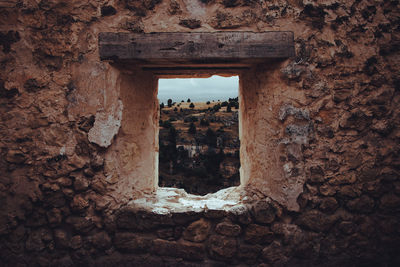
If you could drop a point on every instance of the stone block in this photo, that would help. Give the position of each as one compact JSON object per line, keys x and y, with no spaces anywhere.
{"x":197,"y":231}
{"x":258,"y":234}
{"x":264,"y":211}
{"x":185,"y":250}
{"x":220,"y":246}
{"x":228,"y":229}
{"x":130,"y":242}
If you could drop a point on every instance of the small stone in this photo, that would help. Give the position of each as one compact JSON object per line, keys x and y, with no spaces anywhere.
{"x":341,"y":95}
{"x":101,"y":203}
{"x":222,"y":247}
{"x":390,"y":202}
{"x":215,"y":214}
{"x":68,"y":192}
{"x":187,"y":251}
{"x":174,"y":8}
{"x":349,"y":191}
{"x":35,"y":242}
{"x":197,"y":231}
{"x":81,"y":183}
{"x":242,"y":214}
{"x":80,"y":224}
{"x":32,"y":85}
{"x":328,"y":204}
{"x":316,"y":221}
{"x":79,"y":203}
{"x":273,"y":252}
{"x":317,"y":174}
{"x":249,"y":253}
{"x":258,"y":234}
{"x":64,"y":181}
{"x":354,"y":160}
{"x":61,"y":238}
{"x":190,"y":23}
{"x":15,"y":156}
{"x":88,"y":172}
{"x":264,"y":211}
{"x":75,"y":242}
{"x":64,"y":261}
{"x":54,"y":216}
{"x":343,"y":179}
{"x":96,"y":162}
{"x":292,"y":234}
{"x":37,"y":218}
{"x":293,"y":71}
{"x":56,"y":199}
{"x":362,"y":204}
{"x":289,"y":110}
{"x":228,"y":229}
{"x":101,"y":240}
{"x":98,"y":186}
{"x":129,"y":242}
{"x":170,"y":233}
{"x":185,"y":217}
{"x":347,"y":227}
{"x":389,"y":225}
{"x":77,"y":161}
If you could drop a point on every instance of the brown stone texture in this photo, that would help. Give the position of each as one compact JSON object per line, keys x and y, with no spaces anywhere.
{"x":197,"y":231}
{"x":320,"y":138}
{"x":228,"y":229}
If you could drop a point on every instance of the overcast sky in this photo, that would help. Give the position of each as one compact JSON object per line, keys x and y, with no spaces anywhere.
{"x":198,"y":89}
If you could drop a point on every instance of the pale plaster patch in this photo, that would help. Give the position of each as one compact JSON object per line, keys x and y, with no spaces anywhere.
{"x":106,"y":125}
{"x":173,"y":200}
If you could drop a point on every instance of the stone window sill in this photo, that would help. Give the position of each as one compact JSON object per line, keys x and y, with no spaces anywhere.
{"x":173,"y":200}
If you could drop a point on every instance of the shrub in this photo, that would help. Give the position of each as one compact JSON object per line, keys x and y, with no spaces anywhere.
{"x":190,"y":119}
{"x":217,"y":107}
{"x":192,"y":128}
{"x":204,"y":122}
{"x":166,"y":124}
{"x":211,"y":138}
{"x":172,"y":135}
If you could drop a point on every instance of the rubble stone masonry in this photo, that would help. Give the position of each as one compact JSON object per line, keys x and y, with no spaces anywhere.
{"x":320,"y":154}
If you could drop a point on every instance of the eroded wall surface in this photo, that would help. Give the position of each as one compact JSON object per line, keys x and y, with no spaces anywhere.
{"x":321,"y":149}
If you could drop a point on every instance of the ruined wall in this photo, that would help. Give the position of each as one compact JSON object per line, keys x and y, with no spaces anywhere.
{"x":330,"y":117}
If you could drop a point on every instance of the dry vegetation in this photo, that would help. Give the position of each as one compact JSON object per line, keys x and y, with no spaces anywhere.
{"x":199,"y":146}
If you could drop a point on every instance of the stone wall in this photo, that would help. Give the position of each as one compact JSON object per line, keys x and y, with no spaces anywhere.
{"x":326,"y":128}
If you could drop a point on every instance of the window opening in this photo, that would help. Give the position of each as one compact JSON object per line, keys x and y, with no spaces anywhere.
{"x":199,"y":137}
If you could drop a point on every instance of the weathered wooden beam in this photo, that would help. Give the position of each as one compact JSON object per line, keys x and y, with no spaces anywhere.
{"x":196,"y":48}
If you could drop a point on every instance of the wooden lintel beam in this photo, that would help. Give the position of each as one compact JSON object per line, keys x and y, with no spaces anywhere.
{"x":196,"y":48}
